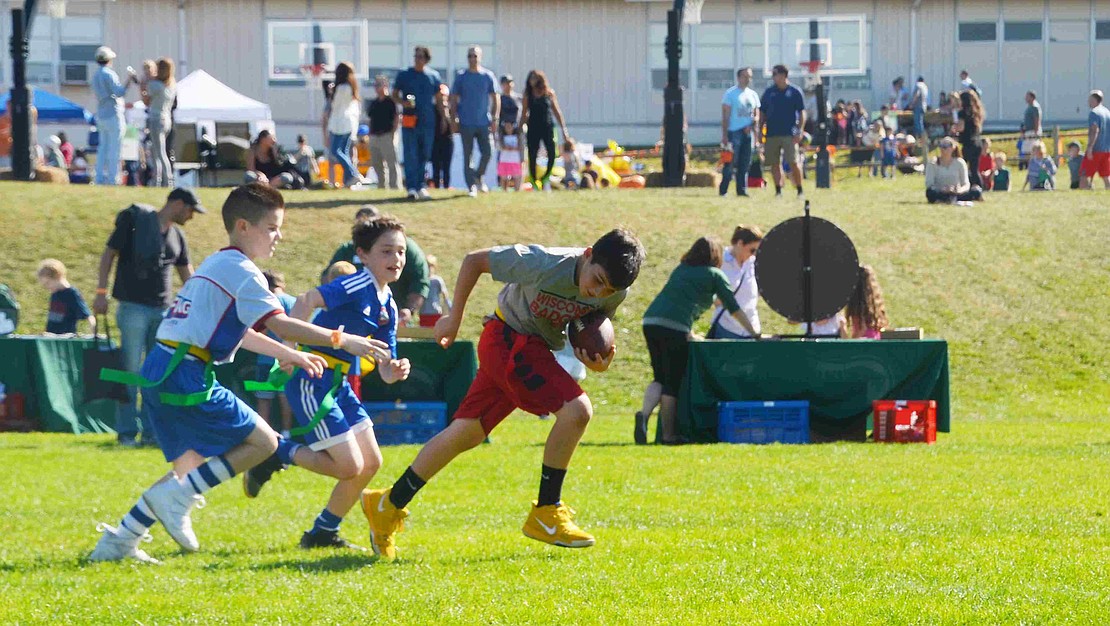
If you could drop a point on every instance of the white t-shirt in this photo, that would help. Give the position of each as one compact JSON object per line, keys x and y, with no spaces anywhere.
{"x":344,"y":111}
{"x":217,"y":305}
{"x":742,"y":280}
{"x":827,"y":326}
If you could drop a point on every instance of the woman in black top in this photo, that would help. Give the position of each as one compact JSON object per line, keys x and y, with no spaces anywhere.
{"x":443,"y":144}
{"x":539,"y":112}
{"x":968,"y":128}
{"x":264,"y":164}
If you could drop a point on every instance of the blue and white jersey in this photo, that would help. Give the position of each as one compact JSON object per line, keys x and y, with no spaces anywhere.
{"x":354,"y":302}
{"x":218,"y":304}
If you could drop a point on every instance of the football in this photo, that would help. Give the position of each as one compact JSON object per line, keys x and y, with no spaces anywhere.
{"x":592,"y":333}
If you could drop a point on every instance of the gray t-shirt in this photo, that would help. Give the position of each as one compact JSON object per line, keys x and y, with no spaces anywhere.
{"x":1100,"y":115}
{"x":541,"y":292}
{"x":433,"y":303}
{"x":1032,"y":117}
{"x":161,"y":104}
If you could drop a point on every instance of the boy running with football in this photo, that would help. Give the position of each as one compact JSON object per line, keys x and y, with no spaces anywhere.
{"x":544,"y":290}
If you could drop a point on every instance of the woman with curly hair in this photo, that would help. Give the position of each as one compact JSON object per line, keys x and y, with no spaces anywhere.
{"x":968,"y":127}
{"x":866,"y":312}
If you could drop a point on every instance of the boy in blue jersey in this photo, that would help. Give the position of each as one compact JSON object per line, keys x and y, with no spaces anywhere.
{"x":203,"y":429}
{"x":340,"y":442}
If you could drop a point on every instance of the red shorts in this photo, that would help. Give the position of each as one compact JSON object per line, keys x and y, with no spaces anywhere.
{"x":1096,"y":164}
{"x":515,"y":371}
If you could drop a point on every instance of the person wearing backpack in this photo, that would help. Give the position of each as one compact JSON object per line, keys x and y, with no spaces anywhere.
{"x":149,"y":245}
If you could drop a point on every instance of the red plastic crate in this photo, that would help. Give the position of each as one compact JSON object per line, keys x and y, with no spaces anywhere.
{"x":12,"y":416}
{"x":905,"y":421}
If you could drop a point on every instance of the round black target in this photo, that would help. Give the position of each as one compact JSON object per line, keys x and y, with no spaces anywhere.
{"x":778,"y":268}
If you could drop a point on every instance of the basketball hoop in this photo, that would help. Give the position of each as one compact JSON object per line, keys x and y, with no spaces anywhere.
{"x":812,"y":66}
{"x":691,"y":11}
{"x":312,"y":72}
{"x":56,"y":9}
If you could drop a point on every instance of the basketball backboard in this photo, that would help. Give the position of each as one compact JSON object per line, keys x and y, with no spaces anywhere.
{"x":840,"y":42}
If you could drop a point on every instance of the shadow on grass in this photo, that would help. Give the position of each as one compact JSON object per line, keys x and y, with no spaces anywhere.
{"x":357,"y":202}
{"x":330,"y":563}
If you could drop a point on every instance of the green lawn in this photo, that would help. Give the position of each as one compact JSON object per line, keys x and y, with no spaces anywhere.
{"x":1003,"y":521}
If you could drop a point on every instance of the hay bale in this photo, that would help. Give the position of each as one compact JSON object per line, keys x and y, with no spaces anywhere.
{"x":693,"y":179}
{"x":43,"y":174}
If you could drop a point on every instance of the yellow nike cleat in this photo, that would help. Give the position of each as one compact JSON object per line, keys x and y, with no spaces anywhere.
{"x":385,"y":521}
{"x":553,"y":524}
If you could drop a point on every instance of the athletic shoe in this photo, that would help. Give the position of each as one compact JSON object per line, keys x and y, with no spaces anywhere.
{"x":356,"y":186}
{"x":326,"y":539}
{"x":742,"y":194}
{"x":640,"y":432}
{"x":778,"y":194}
{"x":423,"y":194}
{"x":553,"y":524}
{"x":128,"y":442}
{"x":116,"y":546}
{"x":171,"y":503}
{"x":412,"y":195}
{"x":473,"y":191}
{"x":260,"y":474}
{"x":483,"y":188}
{"x":385,"y":521}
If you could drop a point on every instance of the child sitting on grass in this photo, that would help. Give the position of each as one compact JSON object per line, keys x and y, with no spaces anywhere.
{"x":1001,"y":174}
{"x":67,"y":306}
{"x":986,"y":164}
{"x":1042,"y":170}
{"x":1075,"y":160}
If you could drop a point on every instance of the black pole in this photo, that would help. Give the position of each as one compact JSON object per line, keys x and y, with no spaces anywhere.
{"x":807,"y":273}
{"x":19,"y":107}
{"x":674,"y":148}
{"x":821,"y":127}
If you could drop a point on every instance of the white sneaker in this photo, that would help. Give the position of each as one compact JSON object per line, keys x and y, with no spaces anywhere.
{"x":171,"y":503}
{"x":116,"y":546}
{"x":547,"y":187}
{"x":357,"y":187}
{"x":412,"y":194}
{"x":483,"y":188}
{"x":423,"y":194}
{"x":473,"y":191}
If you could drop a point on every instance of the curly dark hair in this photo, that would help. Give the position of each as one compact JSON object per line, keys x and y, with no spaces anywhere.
{"x":866,"y":309}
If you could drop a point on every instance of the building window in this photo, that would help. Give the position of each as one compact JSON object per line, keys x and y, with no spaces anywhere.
{"x":978,"y":31}
{"x":294,"y":45}
{"x":1023,"y":31}
{"x":80,"y":37}
{"x":1102,"y":30}
{"x":1069,"y":32}
{"x":433,"y":36}
{"x":657,"y":56}
{"x":384,"y":49}
{"x":716,"y":51}
{"x":42,"y":53}
{"x":751,"y":46}
{"x":474,"y":34}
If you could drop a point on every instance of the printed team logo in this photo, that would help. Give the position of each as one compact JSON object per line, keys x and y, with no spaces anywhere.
{"x":180,"y":308}
{"x":383,"y":317}
{"x":557,"y":309}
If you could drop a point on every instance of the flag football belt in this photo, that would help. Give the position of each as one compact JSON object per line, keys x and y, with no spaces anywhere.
{"x":180,"y":351}
{"x":277,"y":379}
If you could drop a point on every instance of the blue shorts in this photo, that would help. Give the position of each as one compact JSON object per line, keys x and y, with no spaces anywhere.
{"x":345,"y":419}
{"x":262,"y":372}
{"x":209,"y":429}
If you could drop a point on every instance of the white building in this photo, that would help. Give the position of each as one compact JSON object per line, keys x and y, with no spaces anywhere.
{"x":604,"y":57}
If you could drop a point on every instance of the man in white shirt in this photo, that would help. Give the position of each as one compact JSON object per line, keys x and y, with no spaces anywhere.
{"x":739,"y":118}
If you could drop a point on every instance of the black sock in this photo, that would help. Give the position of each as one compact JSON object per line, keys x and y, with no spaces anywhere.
{"x":799,"y":189}
{"x":551,"y":485}
{"x":778,"y":188}
{"x":405,"y":488}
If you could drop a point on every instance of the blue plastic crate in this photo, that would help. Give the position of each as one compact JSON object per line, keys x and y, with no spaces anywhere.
{"x":780,"y":421}
{"x":399,"y":423}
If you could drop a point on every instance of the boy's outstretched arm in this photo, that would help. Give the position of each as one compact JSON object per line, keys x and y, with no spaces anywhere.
{"x":304,"y":333}
{"x":473,"y":266}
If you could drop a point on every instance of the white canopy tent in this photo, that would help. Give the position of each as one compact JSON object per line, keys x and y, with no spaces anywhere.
{"x":201,"y":97}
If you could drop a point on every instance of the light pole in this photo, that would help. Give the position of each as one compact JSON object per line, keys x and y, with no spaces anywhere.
{"x":674,"y":150}
{"x":19,"y":107}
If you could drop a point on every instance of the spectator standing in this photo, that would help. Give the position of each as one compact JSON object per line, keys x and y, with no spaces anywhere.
{"x":66,"y":148}
{"x":858,"y":123}
{"x":67,"y":307}
{"x":149,"y":245}
{"x":946,"y":178}
{"x":967,"y":84}
{"x":899,"y":99}
{"x":411,"y":289}
{"x":739,"y":118}
{"x":510,"y":102}
{"x":1097,"y":160}
{"x":739,"y":267}
{"x":415,"y":90}
{"x":443,"y":146}
{"x":158,"y":98}
{"x":475,"y":107}
{"x":109,"y":92}
{"x":384,"y":123}
{"x":538,"y":114}
{"x":1031,"y":121}
{"x":341,"y":120}
{"x":783,"y":116}
{"x":919,"y":103}
{"x":968,"y":128}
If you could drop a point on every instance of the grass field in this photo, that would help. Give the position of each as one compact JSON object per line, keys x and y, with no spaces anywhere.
{"x":1003,"y":521}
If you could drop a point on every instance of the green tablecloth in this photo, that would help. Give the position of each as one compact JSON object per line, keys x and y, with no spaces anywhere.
{"x":48,"y":372}
{"x":839,"y":378}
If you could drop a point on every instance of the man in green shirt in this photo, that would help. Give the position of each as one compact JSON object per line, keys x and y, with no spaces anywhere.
{"x":411,"y":289}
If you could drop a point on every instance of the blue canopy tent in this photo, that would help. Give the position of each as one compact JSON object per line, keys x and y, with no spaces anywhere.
{"x":51,"y":107}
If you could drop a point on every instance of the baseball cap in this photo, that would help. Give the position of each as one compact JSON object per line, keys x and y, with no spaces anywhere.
{"x":506,"y":78}
{"x":104,"y":53}
{"x":188,"y":197}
